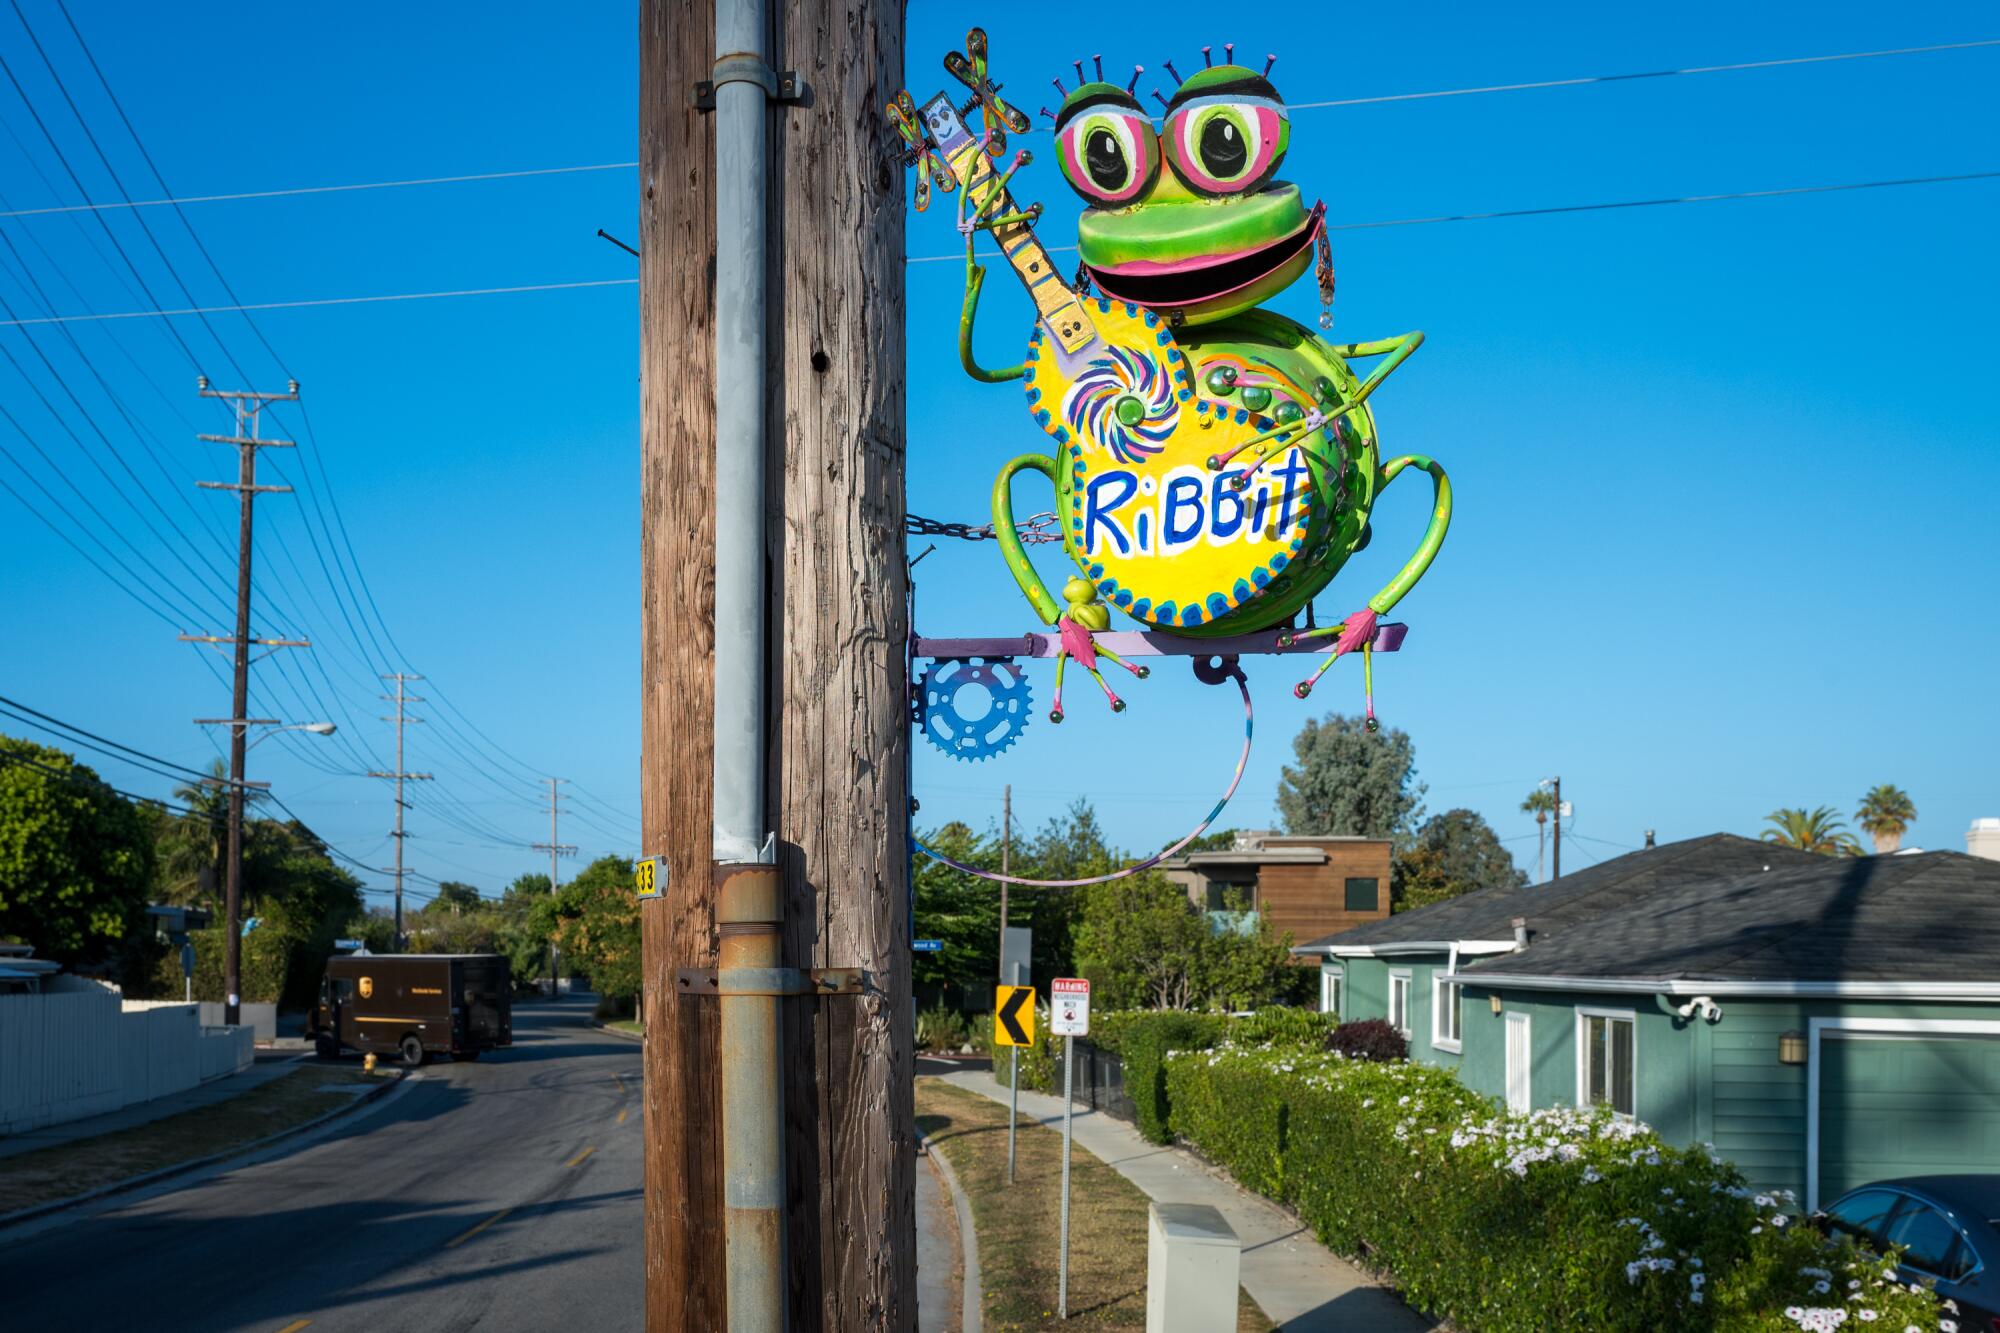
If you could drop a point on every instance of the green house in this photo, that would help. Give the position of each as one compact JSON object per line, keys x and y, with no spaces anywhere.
{"x":1822,"y":1021}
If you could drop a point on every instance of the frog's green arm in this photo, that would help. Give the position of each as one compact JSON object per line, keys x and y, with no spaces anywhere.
{"x":1413,"y":569}
{"x":1010,"y":541}
{"x":1398,"y":350}
{"x":975,"y":277}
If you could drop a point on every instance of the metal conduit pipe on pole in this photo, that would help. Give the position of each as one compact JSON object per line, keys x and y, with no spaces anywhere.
{"x":749,"y":904}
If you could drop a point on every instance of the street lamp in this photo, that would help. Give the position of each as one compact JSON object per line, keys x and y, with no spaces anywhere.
{"x":316,"y":728}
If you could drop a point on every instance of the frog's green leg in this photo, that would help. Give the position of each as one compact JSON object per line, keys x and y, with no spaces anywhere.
{"x":1011,"y":549}
{"x":1397,"y":349}
{"x":1413,"y":568}
{"x":1427,"y":549}
{"x":975,"y":277}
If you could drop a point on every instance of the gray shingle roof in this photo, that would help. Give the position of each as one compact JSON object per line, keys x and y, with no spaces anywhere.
{"x":1933,"y":916}
{"x":1554,"y":908}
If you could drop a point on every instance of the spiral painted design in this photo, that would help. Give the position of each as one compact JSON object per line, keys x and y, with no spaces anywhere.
{"x":1091,"y":405}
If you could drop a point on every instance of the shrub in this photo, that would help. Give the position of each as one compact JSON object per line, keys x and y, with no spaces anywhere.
{"x":1143,"y":1047}
{"x":940,"y":1029}
{"x":1517,"y":1224}
{"x":1369,"y":1039}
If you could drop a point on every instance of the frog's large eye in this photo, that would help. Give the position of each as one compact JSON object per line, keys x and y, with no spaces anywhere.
{"x":1107,"y":150}
{"x":1226,"y":142}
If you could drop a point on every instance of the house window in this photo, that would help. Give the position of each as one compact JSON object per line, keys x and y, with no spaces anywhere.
{"x":1399,"y":1002}
{"x":1329,"y":989}
{"x":1363,"y":895}
{"x":1604,"y":1040}
{"x":1445,"y":1018}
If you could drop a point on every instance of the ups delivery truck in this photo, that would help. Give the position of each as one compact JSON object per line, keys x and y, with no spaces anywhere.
{"x":414,"y":1005}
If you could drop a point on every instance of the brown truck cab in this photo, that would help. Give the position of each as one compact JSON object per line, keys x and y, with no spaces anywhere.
{"x":414,"y":1006}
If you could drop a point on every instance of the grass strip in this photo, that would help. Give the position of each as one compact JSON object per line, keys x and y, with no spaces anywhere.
{"x":1019,"y":1225}
{"x":69,"y":1169}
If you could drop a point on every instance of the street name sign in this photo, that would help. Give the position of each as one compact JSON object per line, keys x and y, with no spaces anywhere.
{"x":1014,"y":1016}
{"x":927,"y":946}
{"x":1069,"y":1007}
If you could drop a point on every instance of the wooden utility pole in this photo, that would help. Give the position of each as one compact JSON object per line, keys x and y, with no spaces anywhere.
{"x":844,"y":733}
{"x":839,"y":727}
{"x":402,"y":699}
{"x":555,"y":847}
{"x":249,"y":407}
{"x":683,"y":1173}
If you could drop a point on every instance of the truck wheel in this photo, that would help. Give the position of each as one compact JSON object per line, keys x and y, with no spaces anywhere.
{"x":326,"y":1048}
{"x":413,"y":1051}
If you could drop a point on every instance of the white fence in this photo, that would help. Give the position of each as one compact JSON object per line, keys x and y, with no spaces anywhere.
{"x":77,"y":1050}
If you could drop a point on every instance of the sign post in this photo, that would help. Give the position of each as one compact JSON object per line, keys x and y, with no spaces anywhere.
{"x":1069,"y":1017}
{"x":1017,"y":946}
{"x":1013,"y":1027}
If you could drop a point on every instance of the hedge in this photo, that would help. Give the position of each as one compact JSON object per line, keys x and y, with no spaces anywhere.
{"x":266,"y":965}
{"x":1518,"y":1224}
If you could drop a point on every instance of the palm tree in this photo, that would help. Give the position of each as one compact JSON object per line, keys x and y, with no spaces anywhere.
{"x":196,"y":844}
{"x":1820,"y":831}
{"x":1539,"y":803}
{"x":1885,"y":815}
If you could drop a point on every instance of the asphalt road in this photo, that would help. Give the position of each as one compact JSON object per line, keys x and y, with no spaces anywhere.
{"x":498,"y":1194}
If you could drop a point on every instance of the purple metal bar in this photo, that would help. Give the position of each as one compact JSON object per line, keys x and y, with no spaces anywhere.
{"x":1148,"y":643}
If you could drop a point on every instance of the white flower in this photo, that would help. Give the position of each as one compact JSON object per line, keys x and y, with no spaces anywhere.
{"x":1947,"y":1325}
{"x":1779,"y":1219}
{"x":1821,"y":1287}
{"x":1869,"y":1316}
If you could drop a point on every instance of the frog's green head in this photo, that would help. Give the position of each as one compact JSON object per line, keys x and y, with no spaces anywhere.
{"x":1186,"y":220}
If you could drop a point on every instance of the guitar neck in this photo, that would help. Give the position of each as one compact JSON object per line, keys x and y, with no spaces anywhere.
{"x":1057,"y":305}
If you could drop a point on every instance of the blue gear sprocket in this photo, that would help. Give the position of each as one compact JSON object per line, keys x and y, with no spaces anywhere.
{"x":988,"y":733}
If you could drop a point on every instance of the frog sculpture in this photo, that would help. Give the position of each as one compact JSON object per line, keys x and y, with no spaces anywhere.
{"x":1214,"y":463}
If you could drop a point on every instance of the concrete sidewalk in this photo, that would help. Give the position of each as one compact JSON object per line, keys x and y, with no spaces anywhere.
{"x":145,"y":1113}
{"x":1299,"y":1283}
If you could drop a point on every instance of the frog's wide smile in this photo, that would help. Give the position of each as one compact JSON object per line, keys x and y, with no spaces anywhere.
{"x":1206,"y":278}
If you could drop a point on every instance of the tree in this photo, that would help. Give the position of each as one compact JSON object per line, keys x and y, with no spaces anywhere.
{"x":1885,"y":815}
{"x":455,"y":897}
{"x":1143,"y":945}
{"x":961,"y":912}
{"x":191,"y":848}
{"x":597,"y":926}
{"x":1453,"y":853}
{"x":1541,"y":803}
{"x":76,"y":861}
{"x":1819,"y":830}
{"x":1350,"y":781}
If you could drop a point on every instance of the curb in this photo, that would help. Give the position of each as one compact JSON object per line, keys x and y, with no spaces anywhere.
{"x":29,"y":1214}
{"x":619,"y":1032}
{"x":972,"y":1290}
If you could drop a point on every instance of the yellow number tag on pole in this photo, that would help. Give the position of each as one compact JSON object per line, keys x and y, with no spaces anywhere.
{"x":650,"y":877}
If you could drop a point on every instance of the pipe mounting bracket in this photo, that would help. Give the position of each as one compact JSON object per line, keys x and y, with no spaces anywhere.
{"x":768,"y":981}
{"x":778,"y":85}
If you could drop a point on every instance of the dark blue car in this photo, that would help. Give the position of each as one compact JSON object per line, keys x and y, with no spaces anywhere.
{"x":1945,"y":1226}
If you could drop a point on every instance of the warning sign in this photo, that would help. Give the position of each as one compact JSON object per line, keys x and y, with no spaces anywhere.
{"x":1014,"y":1016}
{"x":1069,"y":1007}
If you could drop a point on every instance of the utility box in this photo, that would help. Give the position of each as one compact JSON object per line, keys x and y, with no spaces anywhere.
{"x":1192,"y":1259}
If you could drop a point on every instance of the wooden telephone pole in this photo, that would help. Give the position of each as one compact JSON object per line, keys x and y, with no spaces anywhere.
{"x":838,"y":728}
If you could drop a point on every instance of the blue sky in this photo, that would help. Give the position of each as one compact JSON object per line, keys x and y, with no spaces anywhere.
{"x":1722,"y":469}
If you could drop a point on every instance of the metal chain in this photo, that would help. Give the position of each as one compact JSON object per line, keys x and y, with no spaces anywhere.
{"x":1325,"y":274}
{"x":1033,"y":531}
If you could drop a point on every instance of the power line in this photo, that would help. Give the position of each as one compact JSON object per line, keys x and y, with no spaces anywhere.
{"x":1554,"y":210}
{"x":51,"y":724}
{"x":321,"y":189}
{"x":325,"y":301}
{"x":1475,"y":90}
{"x":1648,"y":74}
{"x":93,"y":780}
